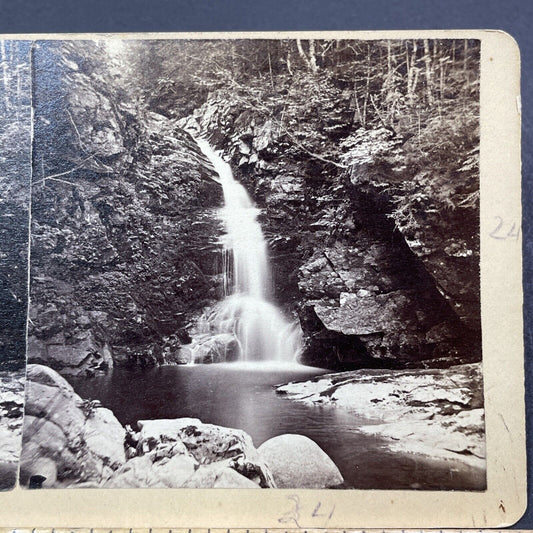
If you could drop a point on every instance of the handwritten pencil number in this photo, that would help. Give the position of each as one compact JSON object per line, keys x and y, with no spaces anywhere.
{"x":323,"y":514}
{"x":503,"y":231}
{"x":294,"y":514}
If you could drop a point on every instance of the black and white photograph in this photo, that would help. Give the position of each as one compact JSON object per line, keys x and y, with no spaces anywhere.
{"x":15,"y":172}
{"x":255,"y":263}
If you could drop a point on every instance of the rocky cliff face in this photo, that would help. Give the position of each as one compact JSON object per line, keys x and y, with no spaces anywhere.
{"x":124,"y":239}
{"x":369,"y":290}
{"x":125,"y":255}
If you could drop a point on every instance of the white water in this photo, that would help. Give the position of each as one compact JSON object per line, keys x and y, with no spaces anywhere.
{"x":261,"y":330}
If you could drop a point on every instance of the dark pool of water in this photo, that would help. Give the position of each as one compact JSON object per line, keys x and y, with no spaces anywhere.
{"x":239,"y":396}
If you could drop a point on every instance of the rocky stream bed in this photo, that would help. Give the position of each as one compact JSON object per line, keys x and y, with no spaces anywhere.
{"x":70,"y":441}
{"x":434,"y":412}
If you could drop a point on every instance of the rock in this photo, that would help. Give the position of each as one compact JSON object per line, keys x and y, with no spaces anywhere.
{"x":207,"y":444}
{"x":83,"y":356}
{"x":10,"y":438}
{"x":243,"y":147}
{"x":218,"y":477}
{"x":218,"y":348}
{"x":141,"y":215}
{"x":263,"y":136}
{"x":148,"y":471}
{"x":182,"y":356}
{"x":15,"y":171}
{"x":437,"y":412}
{"x":459,"y":437}
{"x":44,"y":467}
{"x":83,"y":440}
{"x":187,"y":453}
{"x":96,"y":119}
{"x":136,"y":473}
{"x":8,"y":475}
{"x":297,"y":462}
{"x":11,"y":417}
{"x":370,"y":312}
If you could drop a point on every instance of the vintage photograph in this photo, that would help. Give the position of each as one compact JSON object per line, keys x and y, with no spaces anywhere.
{"x":15,"y":172}
{"x":255,"y":263}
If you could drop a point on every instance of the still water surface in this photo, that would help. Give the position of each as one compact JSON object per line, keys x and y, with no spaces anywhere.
{"x":241,"y":395}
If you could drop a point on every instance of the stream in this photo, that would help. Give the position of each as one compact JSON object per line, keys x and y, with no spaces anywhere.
{"x":241,"y":395}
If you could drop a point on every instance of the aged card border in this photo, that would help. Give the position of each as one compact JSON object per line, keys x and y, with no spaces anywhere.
{"x":501,"y":279}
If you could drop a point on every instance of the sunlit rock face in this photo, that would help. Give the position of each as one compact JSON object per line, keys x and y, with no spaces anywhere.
{"x":11,"y":417}
{"x":60,"y":428}
{"x":435,"y":412}
{"x":299,"y":463}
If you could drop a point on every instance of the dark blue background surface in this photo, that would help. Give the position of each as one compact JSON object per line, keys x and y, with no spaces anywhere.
{"x":513,"y":16}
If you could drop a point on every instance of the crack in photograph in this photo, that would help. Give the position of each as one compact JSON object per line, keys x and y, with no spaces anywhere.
{"x":255,"y":264}
{"x":15,"y":175}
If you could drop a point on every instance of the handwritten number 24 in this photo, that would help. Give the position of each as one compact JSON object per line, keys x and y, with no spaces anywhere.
{"x":294,"y":514}
{"x":503,"y":232}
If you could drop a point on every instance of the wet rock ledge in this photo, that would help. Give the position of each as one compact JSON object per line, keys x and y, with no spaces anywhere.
{"x":434,"y":412}
{"x":69,"y":441}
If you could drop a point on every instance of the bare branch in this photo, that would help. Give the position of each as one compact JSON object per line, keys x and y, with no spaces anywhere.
{"x":55,"y":176}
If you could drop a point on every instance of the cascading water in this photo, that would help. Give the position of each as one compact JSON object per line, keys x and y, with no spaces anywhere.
{"x":261,"y":330}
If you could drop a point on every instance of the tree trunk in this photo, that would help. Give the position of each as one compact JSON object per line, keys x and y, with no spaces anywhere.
{"x":408,"y":69}
{"x":412,"y":73}
{"x":429,"y":79}
{"x":312,"y":55}
{"x":302,"y":53}
{"x":311,"y":60}
{"x":367,"y":90}
{"x":357,"y":107}
{"x":270,"y":67}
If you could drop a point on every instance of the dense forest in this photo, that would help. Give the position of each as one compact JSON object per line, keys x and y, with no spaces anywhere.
{"x":362,"y":155}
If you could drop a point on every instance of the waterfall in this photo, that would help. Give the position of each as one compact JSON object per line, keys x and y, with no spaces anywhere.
{"x":260,"y":328}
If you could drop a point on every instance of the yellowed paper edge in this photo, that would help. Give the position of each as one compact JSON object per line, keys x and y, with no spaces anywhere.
{"x":501,"y":283}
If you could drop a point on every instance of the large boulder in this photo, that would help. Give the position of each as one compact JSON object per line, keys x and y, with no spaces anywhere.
{"x":184,"y":452}
{"x":297,"y":462}
{"x":207,"y":444}
{"x":66,"y":439}
{"x":151,"y":471}
{"x":216,"y":476}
